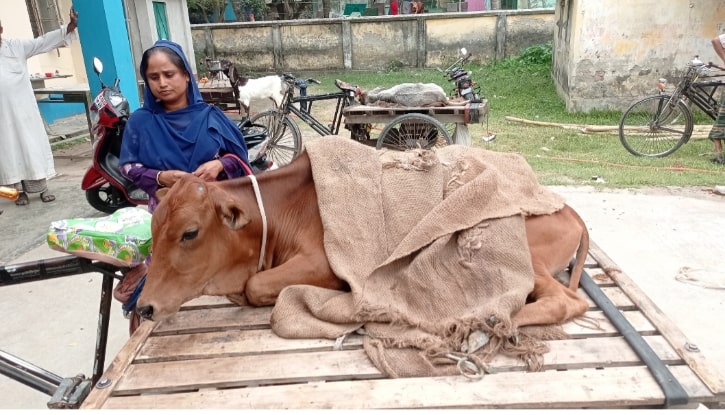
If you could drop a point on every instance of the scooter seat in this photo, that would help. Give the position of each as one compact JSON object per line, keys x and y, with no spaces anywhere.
{"x":122,"y":239}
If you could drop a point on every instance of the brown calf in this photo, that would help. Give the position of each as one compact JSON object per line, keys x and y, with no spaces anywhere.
{"x":553,"y":241}
{"x":207,"y":239}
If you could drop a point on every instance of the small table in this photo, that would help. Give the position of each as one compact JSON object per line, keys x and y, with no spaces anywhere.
{"x":220,"y":92}
{"x":39,"y":81}
{"x":72,"y":93}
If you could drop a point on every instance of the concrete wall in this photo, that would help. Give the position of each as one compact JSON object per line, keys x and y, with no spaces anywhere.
{"x":370,"y":43}
{"x":607,"y":56}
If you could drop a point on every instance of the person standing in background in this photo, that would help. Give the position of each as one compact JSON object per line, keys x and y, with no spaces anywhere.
{"x":406,"y":8}
{"x":393,"y":7}
{"x":717,"y":134}
{"x":26,"y":160}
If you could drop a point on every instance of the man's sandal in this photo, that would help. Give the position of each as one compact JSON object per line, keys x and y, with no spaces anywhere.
{"x":22,"y":199}
{"x":46,"y":197}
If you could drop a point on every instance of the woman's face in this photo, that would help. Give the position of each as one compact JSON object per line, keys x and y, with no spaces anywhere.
{"x":167,"y":82}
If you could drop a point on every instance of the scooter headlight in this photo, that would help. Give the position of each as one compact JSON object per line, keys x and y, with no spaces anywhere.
{"x":115,"y":100}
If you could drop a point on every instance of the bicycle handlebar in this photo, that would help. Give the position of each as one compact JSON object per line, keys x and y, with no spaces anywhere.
{"x":712,"y":65}
{"x":459,"y":61}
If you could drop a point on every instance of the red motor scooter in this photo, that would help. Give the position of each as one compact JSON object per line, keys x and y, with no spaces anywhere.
{"x":106,"y":189}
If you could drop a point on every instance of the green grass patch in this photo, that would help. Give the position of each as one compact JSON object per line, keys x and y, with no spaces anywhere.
{"x":523,"y":87}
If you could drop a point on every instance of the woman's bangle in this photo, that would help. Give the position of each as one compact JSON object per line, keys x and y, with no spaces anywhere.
{"x":158,"y":176}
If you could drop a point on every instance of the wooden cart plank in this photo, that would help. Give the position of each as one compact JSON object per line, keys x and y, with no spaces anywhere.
{"x":246,"y":370}
{"x":467,"y":113}
{"x":585,"y":388}
{"x":296,"y":367}
{"x":231,"y":343}
{"x":224,"y":318}
{"x":119,"y":366}
{"x":594,"y":322}
{"x":563,"y":354}
{"x":676,"y":337}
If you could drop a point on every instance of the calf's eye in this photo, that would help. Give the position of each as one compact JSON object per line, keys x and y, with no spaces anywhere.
{"x":189,"y":235}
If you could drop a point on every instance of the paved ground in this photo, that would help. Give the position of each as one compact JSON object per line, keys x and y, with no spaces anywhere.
{"x":651,"y":234}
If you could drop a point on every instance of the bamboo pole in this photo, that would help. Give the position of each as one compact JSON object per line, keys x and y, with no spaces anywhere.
{"x":698,"y":131}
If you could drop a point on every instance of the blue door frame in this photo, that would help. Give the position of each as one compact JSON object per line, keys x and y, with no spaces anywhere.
{"x":103,"y":33}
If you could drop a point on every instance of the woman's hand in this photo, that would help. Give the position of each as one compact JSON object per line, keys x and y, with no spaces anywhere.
{"x":169,"y":177}
{"x":209,"y":171}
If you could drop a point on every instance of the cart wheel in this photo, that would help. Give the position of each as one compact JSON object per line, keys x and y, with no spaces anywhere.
{"x":285,"y":139}
{"x":411,"y":131}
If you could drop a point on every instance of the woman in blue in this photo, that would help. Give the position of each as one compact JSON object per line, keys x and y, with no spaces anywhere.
{"x":176,"y":132}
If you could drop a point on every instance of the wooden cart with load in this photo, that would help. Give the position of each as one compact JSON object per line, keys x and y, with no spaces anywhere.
{"x":216,"y":355}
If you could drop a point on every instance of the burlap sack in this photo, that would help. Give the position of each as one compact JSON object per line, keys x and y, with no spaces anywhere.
{"x":433,"y":246}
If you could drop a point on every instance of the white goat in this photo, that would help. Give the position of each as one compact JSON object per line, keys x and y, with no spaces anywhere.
{"x":265,"y":87}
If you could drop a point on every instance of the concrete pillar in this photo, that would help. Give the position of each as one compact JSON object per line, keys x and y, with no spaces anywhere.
{"x":104,"y":34}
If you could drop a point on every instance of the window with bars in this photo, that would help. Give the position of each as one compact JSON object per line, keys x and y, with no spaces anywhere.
{"x":44,"y":16}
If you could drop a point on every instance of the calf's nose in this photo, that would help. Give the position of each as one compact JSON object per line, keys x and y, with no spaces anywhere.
{"x":146,"y":312}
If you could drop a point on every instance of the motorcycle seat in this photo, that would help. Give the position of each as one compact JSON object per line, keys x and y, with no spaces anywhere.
{"x":122,"y":239}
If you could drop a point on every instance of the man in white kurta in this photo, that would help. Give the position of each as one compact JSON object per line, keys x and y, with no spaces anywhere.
{"x":26,"y":160}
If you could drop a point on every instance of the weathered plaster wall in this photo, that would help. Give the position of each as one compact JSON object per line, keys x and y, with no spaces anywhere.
{"x":607,"y":55}
{"x":426,"y":40}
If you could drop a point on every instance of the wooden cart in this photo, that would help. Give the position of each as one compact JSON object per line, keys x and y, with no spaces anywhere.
{"x":215,"y":355}
{"x":451,"y":120}
{"x":220,"y":92}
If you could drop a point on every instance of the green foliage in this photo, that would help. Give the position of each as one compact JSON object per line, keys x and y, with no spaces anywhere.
{"x":536,"y":55}
{"x":258,"y":7}
{"x":209,"y":10}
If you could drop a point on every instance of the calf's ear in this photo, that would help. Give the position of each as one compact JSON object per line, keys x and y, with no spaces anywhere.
{"x":232,"y":215}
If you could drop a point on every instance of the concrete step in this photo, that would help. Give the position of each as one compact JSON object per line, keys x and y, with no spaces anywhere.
{"x":68,"y":127}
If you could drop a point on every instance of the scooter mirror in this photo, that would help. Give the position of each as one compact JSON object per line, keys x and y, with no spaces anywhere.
{"x":464,"y":52}
{"x":97,"y":65}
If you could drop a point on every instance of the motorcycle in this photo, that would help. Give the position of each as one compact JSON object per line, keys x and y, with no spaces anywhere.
{"x":106,"y":188}
{"x":465,"y":87}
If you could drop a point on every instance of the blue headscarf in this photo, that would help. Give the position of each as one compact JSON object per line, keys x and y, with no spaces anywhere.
{"x":182,"y":139}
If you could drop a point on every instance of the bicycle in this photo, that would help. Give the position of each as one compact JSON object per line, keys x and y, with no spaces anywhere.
{"x":285,"y":139}
{"x":658,"y":125}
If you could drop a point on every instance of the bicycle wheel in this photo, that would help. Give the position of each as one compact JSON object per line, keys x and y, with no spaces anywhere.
{"x":410,"y":131}
{"x":285,"y":139}
{"x":655,"y":126}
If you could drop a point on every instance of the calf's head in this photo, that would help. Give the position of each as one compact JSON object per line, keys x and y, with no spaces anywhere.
{"x":202,"y":245}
